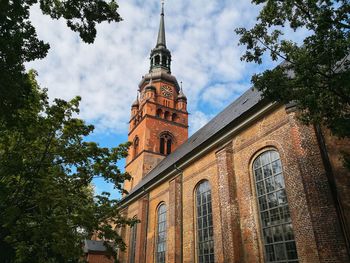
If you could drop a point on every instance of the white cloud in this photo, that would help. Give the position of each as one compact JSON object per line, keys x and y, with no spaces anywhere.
{"x":220,"y":95}
{"x":197,"y":120}
{"x":200,"y":35}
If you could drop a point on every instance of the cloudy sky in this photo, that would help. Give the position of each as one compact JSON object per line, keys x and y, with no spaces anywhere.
{"x":205,"y":53}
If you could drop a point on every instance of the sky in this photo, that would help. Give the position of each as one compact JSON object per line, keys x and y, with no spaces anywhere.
{"x":205,"y":57}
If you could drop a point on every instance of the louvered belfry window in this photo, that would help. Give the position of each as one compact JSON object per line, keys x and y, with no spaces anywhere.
{"x":276,"y":223}
{"x":205,"y":233}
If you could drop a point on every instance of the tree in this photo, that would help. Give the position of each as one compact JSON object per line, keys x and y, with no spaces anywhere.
{"x":19,"y":42}
{"x":47,"y":207}
{"x":315,"y":75}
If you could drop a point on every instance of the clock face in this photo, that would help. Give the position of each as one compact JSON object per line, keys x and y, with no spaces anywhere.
{"x":166,"y":91}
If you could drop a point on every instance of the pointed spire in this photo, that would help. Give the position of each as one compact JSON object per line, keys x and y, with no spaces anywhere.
{"x":160,"y":55}
{"x":150,"y":86}
{"x":161,"y":32}
{"x":181,"y":93}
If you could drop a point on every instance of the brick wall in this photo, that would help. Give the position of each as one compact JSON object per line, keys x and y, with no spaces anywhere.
{"x":237,"y":234}
{"x":96,"y":258}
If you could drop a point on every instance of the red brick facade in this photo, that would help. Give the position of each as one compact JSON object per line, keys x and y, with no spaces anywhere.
{"x":98,"y":258}
{"x":159,"y":112}
{"x":228,"y":168}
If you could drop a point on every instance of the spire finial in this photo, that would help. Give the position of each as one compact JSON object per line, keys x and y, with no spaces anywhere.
{"x":160,"y":55}
{"x":161,"y":32}
{"x":181,"y":85}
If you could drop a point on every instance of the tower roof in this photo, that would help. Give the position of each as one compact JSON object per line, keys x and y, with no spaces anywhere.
{"x":181,"y":94}
{"x":136,"y":102}
{"x":160,"y":55}
{"x":161,"y":33}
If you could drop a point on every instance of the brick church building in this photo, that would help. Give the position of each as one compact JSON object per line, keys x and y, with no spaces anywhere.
{"x":253,"y":185}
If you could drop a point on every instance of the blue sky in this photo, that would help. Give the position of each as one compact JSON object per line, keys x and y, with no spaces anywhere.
{"x":205,"y":53}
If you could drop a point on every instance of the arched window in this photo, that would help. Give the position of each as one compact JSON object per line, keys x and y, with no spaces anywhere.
{"x":132,"y":252}
{"x":165,"y":143}
{"x":174,"y":117}
{"x":205,"y":233}
{"x":157,"y":60}
{"x":161,"y":234}
{"x":164,"y":59}
{"x":136,"y":146}
{"x":159,"y":113}
{"x":162,"y":145}
{"x":166,"y":115}
{"x":168,"y":146}
{"x":276,"y":223}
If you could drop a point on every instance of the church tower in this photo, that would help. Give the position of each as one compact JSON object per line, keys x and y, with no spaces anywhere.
{"x":159,"y":117}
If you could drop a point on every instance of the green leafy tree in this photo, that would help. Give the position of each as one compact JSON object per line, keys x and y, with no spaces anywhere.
{"x":315,"y":75}
{"x":19,"y":42}
{"x":47,"y":206}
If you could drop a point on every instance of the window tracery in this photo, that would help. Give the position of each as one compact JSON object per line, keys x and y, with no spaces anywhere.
{"x":165,"y":143}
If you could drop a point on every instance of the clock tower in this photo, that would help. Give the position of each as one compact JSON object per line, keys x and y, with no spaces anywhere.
{"x":159,"y":117}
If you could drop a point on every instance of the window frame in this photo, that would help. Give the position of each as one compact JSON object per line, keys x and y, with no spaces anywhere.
{"x":166,"y":142}
{"x":162,"y":204}
{"x":196,"y":217}
{"x":132,"y":243}
{"x":259,"y":212}
{"x":136,"y":144}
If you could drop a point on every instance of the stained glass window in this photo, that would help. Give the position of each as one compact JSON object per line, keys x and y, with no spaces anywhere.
{"x":277,"y":229}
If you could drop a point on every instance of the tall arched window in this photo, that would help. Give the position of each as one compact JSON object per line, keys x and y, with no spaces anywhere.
{"x":161,"y":234}
{"x":162,"y":145}
{"x":136,"y":146}
{"x":133,"y":232}
{"x":205,"y":233}
{"x":157,"y":60}
{"x":168,"y":146}
{"x":276,"y":223}
{"x":164,"y":59}
{"x":165,"y":143}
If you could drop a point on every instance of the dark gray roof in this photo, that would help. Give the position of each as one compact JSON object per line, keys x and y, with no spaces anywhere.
{"x":231,"y":113}
{"x":94,"y":245}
